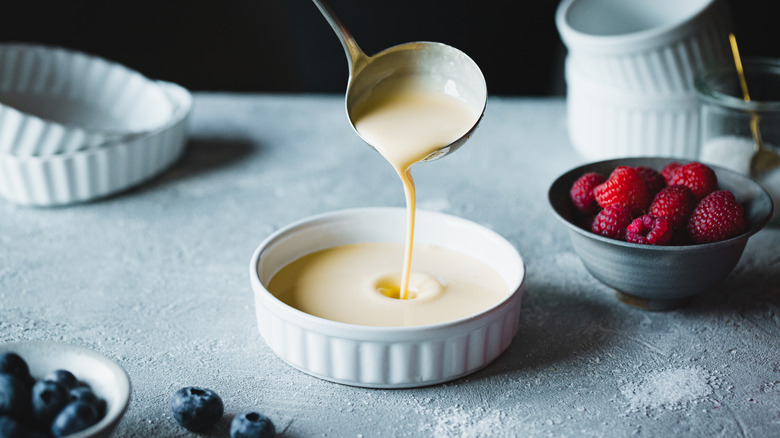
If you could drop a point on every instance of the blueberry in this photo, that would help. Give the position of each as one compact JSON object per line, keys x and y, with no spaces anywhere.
{"x":197,"y":409}
{"x":14,"y":396}
{"x":10,"y":428}
{"x":48,"y":399}
{"x":252,"y":425}
{"x":85,"y":394}
{"x":63,"y":377}
{"x":13,"y":364}
{"x":75,"y":417}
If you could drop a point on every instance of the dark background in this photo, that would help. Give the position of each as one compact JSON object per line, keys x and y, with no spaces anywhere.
{"x":287,"y":46}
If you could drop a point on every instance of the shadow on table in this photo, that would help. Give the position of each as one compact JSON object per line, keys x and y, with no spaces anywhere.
{"x":201,"y":155}
{"x":746,"y":290}
{"x":555,"y":326}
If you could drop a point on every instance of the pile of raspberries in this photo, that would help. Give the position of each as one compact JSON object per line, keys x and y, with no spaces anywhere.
{"x":680,"y":205}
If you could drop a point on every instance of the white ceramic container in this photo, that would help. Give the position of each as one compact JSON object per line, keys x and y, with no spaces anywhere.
{"x":645,"y":46}
{"x":107,"y":379}
{"x":93,"y":173}
{"x":605,"y":123}
{"x":55,"y":100}
{"x":385,"y":357}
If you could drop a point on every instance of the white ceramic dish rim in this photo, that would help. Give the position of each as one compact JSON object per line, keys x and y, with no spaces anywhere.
{"x":628,"y":42}
{"x":53,"y":349}
{"x":93,"y":173}
{"x":181,"y":99}
{"x":371,"y":333}
{"x":110,"y":134}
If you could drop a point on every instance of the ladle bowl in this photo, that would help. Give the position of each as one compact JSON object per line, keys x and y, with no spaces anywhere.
{"x":439,"y":67}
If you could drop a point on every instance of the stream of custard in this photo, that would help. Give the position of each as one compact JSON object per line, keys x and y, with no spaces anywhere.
{"x":405,"y":123}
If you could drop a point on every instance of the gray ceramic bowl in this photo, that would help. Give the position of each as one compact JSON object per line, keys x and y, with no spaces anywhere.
{"x":104,"y":376}
{"x":659,"y":277}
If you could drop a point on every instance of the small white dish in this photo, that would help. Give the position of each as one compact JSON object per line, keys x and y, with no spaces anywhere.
{"x":607,"y":123}
{"x":386,"y":357}
{"x":645,"y":46}
{"x":55,"y":100}
{"x":107,"y":379}
{"x":86,"y":175}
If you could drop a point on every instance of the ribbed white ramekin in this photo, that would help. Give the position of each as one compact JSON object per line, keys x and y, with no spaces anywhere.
{"x":605,"y":123}
{"x":385,"y":357}
{"x":55,"y":100}
{"x":645,"y":46}
{"x":93,"y":173}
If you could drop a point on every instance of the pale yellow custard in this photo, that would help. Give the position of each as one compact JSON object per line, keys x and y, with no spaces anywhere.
{"x":347,"y":284}
{"x":405,"y":122}
{"x":378,"y":284}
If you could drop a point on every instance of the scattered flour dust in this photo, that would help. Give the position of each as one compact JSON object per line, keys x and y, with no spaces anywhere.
{"x":455,"y":421}
{"x":670,"y":389}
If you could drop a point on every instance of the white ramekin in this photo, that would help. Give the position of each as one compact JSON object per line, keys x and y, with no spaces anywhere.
{"x":55,"y":100}
{"x":645,"y":46}
{"x":385,"y":357}
{"x":93,"y":173}
{"x":605,"y":123}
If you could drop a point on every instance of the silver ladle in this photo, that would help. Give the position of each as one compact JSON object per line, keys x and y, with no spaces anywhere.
{"x":444,"y":68}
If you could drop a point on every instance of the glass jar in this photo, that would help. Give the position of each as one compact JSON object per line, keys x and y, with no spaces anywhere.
{"x":725,"y":134}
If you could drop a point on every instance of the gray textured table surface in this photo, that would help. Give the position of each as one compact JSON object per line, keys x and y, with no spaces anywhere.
{"x":157,"y":279}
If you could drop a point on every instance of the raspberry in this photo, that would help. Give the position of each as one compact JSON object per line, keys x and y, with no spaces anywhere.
{"x":698,"y":177}
{"x":581,"y":192}
{"x":649,"y":230}
{"x":612,"y":222}
{"x":717,"y":217}
{"x":654,"y":181}
{"x":669,"y":170}
{"x":625,"y":188}
{"x":675,"y":203}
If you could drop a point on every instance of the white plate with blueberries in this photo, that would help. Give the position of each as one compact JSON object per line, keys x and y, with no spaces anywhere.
{"x":57,"y":389}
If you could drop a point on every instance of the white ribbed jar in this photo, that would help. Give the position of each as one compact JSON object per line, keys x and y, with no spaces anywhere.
{"x":651,"y":47}
{"x":605,"y":123}
{"x":54,"y":100}
{"x":89,"y":174}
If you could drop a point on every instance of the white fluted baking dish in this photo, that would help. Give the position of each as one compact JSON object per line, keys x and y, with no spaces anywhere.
{"x":385,"y":357}
{"x":93,"y":173}
{"x":645,"y":46}
{"x":607,"y":123}
{"x":55,"y":100}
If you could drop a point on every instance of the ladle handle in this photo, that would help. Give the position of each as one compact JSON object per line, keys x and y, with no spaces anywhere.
{"x":355,"y":56}
{"x":745,"y":94}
